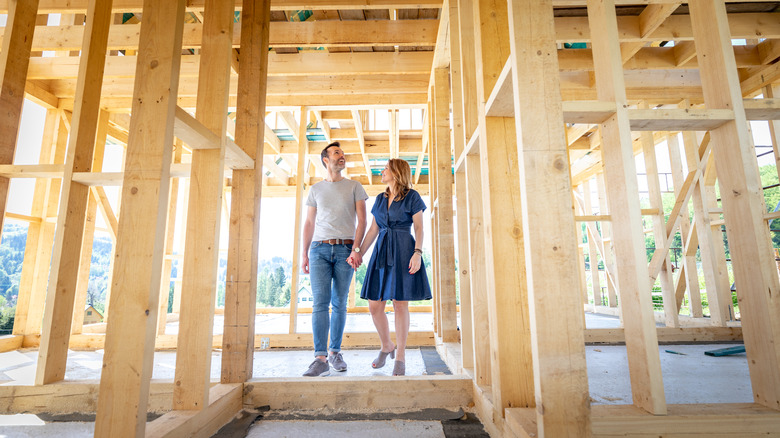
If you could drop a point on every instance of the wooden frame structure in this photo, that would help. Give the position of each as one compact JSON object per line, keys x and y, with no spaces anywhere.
{"x":534,"y":113}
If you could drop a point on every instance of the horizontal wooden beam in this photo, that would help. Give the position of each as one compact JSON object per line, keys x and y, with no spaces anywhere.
{"x":353,"y":393}
{"x":95,"y":341}
{"x":719,"y":420}
{"x":315,"y":100}
{"x":288,"y":64}
{"x":332,"y":33}
{"x":80,"y":6}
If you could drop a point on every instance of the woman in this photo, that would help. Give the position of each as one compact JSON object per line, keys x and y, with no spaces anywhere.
{"x":395,"y":271}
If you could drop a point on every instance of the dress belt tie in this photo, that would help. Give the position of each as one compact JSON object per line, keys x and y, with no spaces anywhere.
{"x":386,"y":245}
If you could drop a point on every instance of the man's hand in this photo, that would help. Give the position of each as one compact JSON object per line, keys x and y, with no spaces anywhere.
{"x":355,"y":260}
{"x":305,"y":263}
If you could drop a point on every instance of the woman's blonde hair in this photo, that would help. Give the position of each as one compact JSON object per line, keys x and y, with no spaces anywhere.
{"x":402,"y":175}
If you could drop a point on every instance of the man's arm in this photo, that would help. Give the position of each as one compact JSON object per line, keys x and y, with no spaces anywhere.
{"x":308,"y":232}
{"x":360,"y":208}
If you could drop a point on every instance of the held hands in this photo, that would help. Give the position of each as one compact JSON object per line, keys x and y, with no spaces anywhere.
{"x":355,"y":260}
{"x":414,"y":263}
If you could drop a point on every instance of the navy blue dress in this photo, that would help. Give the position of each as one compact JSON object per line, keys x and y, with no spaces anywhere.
{"x":387,"y":275}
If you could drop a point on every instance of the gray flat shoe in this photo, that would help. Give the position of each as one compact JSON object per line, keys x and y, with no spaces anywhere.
{"x":379,"y":362}
{"x":399,"y":369}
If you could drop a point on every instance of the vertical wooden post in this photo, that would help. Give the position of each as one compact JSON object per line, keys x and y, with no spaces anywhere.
{"x":478,"y":278}
{"x":773,"y":91}
{"x":36,"y":230}
{"x":43,"y":256}
{"x":752,"y":257}
{"x":129,"y":350}
{"x":444,"y":212}
{"x":459,"y":140}
{"x":58,"y":313}
{"x":82,"y":282}
{"x":659,"y":226}
{"x":628,"y":237}
{"x":201,"y":248}
{"x":689,"y":276}
{"x":472,"y":191}
{"x":300,"y":180}
{"x":713,"y":254}
{"x":560,"y":376}
{"x":170,"y":229}
{"x":510,"y":330}
{"x":238,"y":346}
{"x":606,"y":238}
{"x":595,"y":276}
{"x":14,"y":60}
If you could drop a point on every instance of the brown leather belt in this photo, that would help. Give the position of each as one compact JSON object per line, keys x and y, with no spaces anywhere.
{"x":338,"y":241}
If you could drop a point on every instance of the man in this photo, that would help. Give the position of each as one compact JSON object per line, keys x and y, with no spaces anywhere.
{"x":329,"y":238}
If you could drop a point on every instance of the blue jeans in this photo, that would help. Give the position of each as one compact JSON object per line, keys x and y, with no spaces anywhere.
{"x":330,"y":275}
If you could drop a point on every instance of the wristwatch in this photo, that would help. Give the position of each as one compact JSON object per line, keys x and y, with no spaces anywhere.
{"x":356,"y":249}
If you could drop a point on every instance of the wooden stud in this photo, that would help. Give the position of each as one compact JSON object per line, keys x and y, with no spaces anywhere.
{"x":14,"y":59}
{"x":659,"y":227}
{"x":241,"y":283}
{"x":444,"y":217}
{"x":689,"y":273}
{"x":606,"y":232}
{"x":459,"y":140}
{"x":510,"y":332}
{"x":66,"y":254}
{"x":129,"y":348}
{"x":595,"y":277}
{"x":170,"y":229}
{"x":201,"y":248}
{"x":303,"y":148}
{"x":89,"y":230}
{"x":36,"y":232}
{"x":755,"y":272}
{"x":548,"y":225}
{"x":620,"y":174}
{"x":711,"y":249}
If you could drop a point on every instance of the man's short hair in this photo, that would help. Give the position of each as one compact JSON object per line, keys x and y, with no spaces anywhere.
{"x":324,"y":153}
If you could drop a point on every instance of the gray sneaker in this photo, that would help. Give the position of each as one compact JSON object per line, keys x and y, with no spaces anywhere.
{"x":337,"y":362}
{"x":317,"y":368}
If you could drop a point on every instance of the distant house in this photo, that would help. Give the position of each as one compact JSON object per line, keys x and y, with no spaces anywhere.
{"x":305,"y":298}
{"x":91,"y":315}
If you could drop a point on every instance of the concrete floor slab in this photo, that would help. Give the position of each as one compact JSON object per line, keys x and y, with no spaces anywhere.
{"x":325,"y":429}
{"x":689,"y":377}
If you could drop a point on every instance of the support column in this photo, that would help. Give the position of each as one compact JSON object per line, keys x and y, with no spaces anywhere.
{"x":689,"y":275}
{"x":595,"y":277}
{"x":444,"y":215}
{"x":752,"y":257}
{"x":201,"y":248}
{"x":606,"y":238}
{"x":58,"y":313}
{"x":238,"y":341}
{"x":711,"y":250}
{"x":459,"y":142}
{"x":14,"y":60}
{"x":36,"y":230}
{"x":644,"y":364}
{"x":659,"y":227}
{"x":82,"y":282}
{"x":129,"y":350}
{"x":170,"y":229}
{"x":300,"y":180}
{"x":512,"y":375}
{"x":556,"y":317}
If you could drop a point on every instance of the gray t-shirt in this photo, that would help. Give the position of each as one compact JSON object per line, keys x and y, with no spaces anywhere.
{"x":335,"y":204}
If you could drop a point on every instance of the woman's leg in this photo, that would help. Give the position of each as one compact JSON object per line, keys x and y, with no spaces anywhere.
{"x":377,"y":309}
{"x":401,"y":328}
